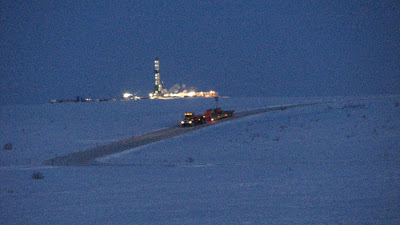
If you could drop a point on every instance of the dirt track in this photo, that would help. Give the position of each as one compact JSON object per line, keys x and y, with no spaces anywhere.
{"x":87,"y":157}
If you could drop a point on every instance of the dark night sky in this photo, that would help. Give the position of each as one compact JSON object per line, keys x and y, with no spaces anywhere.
{"x":100,"y":49}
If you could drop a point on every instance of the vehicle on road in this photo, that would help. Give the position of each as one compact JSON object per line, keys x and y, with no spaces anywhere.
{"x":209,"y":116}
{"x":191,"y":119}
{"x":218,"y":113}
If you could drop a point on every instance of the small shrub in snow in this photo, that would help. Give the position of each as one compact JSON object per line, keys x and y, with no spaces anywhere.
{"x":8,"y":147}
{"x":37,"y":176}
{"x":397,"y":104}
{"x":189,"y":160}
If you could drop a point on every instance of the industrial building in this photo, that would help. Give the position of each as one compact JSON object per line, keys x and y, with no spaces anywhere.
{"x":160,"y":93}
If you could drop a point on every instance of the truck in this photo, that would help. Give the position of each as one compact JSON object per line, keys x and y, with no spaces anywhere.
{"x":218,"y":113}
{"x":191,"y":119}
{"x":209,"y":116}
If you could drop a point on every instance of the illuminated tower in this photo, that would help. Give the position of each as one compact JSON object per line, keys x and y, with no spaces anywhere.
{"x":157,"y":87}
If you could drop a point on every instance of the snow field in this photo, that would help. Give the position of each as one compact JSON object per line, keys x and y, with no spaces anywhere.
{"x":328,"y":164}
{"x":41,"y":132}
{"x":335,"y":163}
{"x":323,"y":129}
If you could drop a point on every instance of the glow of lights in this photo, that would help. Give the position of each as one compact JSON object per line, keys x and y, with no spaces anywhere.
{"x":127,"y":95}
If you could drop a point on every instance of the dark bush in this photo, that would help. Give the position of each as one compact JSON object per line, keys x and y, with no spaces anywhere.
{"x":189,"y":160}
{"x":37,"y":176}
{"x":8,"y":147}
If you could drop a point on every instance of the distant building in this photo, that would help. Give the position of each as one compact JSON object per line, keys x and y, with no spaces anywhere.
{"x":160,"y":93}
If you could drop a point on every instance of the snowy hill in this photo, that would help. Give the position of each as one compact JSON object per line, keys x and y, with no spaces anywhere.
{"x":328,"y":163}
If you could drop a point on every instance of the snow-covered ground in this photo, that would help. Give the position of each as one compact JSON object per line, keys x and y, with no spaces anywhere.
{"x":40,"y":132}
{"x":334,"y":163}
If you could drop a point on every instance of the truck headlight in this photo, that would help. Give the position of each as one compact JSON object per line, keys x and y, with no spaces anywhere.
{"x":190,"y":122}
{"x":182,"y":122}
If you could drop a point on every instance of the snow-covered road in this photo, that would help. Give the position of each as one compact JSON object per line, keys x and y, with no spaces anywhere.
{"x":88,"y":157}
